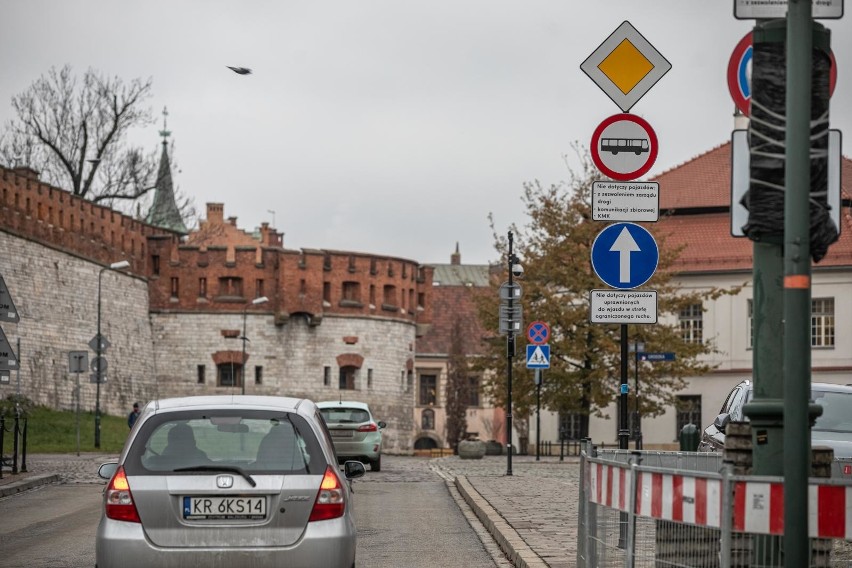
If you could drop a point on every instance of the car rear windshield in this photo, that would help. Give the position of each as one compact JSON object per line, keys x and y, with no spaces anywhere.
{"x":255,"y":441}
{"x":343,"y":415}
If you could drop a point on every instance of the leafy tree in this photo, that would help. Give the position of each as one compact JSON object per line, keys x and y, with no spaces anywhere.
{"x":74,"y":133}
{"x":457,"y":388}
{"x":584,"y":375}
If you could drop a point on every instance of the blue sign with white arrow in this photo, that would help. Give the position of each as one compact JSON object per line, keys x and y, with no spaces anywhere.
{"x":538,"y":356}
{"x":625,"y":255}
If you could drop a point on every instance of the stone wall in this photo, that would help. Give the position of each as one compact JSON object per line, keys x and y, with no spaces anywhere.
{"x":293,"y":358}
{"x":55,"y":294}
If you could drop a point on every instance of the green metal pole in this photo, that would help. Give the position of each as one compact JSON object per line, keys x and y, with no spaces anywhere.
{"x":797,"y":283}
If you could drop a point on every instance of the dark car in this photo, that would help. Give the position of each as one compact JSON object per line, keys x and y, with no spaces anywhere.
{"x":832,"y":429}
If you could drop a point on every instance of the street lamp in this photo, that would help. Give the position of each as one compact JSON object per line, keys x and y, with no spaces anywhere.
{"x":255,"y":302}
{"x":120,"y":265}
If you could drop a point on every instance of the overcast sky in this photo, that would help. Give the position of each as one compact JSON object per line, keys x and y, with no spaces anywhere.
{"x":389,"y":126}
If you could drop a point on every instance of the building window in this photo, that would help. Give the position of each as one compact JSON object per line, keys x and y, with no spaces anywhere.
{"x":228,"y":375}
{"x":201,"y":372}
{"x":373,"y":270}
{"x":428,"y":390}
{"x":569,"y":425}
{"x":352,"y":292}
{"x":409,"y":381}
{"x":421,"y":299}
{"x":688,"y":411}
{"x":427,"y":419}
{"x":326,"y":376}
{"x":373,"y":295}
{"x":347,"y":378}
{"x":822,"y":322}
{"x":473,"y":391}
{"x":155,"y":264}
{"x":303,"y":287}
{"x":202,"y":287}
{"x":258,"y":288}
{"x":691,"y":320}
{"x":369,"y":378}
{"x":175,"y":287}
{"x":326,"y":292}
{"x":231,"y":286}
{"x":258,"y":375}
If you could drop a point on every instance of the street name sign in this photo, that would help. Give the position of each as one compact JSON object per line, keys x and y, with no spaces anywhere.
{"x":625,"y":255}
{"x":655,"y":356}
{"x":8,"y":312}
{"x":756,"y":9}
{"x":624,"y":147}
{"x":625,"y":66}
{"x":740,"y":175}
{"x":626,"y":201}
{"x":613,"y":306}
{"x":538,"y":356}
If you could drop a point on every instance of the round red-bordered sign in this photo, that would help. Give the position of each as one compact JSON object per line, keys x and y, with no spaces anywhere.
{"x":538,"y":333}
{"x":739,"y":79}
{"x":624,"y":147}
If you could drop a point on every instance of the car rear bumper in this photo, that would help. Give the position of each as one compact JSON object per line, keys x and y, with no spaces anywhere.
{"x":325,"y":543}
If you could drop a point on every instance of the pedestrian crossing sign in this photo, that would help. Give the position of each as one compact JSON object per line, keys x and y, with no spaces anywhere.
{"x":538,"y":356}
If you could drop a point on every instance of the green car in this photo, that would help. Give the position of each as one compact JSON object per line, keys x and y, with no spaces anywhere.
{"x":355,"y":434}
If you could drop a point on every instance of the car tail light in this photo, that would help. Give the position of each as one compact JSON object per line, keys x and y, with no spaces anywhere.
{"x":371,"y":427}
{"x":119,"y":500}
{"x":330,"y":503}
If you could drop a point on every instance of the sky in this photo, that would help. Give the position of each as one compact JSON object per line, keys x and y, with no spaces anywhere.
{"x":390,"y":127}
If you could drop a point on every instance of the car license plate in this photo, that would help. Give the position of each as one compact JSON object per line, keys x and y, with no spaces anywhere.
{"x":197,"y":508}
{"x":341,"y":433}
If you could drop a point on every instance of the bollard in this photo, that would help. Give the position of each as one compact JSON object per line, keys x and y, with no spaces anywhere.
{"x":15,"y":444}
{"x":24,"y":447}
{"x":689,"y":438}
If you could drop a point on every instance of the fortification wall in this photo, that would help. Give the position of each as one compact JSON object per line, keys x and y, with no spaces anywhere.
{"x":56,"y":296}
{"x":293,"y":359}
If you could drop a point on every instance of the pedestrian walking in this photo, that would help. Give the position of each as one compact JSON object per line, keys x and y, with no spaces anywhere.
{"x":134,"y":414}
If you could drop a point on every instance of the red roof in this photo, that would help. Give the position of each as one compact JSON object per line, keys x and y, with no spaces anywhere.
{"x":705,"y":182}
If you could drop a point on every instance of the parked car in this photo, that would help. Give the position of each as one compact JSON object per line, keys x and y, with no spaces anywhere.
{"x":228,"y":481}
{"x":354,"y":432}
{"x":833,"y":428}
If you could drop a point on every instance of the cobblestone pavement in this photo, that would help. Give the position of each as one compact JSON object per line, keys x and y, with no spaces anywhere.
{"x":532,"y":514}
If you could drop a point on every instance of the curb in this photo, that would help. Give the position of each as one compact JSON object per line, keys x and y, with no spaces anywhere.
{"x":28,"y":483}
{"x":515,"y":548}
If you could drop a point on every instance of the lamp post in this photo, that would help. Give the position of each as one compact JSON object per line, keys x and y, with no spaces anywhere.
{"x":120,"y":265}
{"x":255,"y":302}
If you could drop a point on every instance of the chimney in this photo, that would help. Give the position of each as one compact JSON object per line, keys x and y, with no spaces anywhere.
{"x":216,"y":213}
{"x":455,"y":258}
{"x":264,"y":234}
{"x":232,"y":221}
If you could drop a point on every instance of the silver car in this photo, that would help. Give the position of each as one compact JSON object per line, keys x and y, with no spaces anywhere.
{"x":228,"y":481}
{"x":355,"y":433}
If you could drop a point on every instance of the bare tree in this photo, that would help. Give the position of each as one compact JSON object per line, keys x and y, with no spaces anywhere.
{"x":74,"y":133}
{"x":457,"y":388}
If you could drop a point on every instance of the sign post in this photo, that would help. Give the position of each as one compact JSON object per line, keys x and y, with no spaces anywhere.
{"x":78,"y":362}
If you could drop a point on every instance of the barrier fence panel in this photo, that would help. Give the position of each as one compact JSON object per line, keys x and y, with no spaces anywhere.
{"x":680,"y":513}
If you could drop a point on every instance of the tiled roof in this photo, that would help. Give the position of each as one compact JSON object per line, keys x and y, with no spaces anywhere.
{"x":460,"y":275}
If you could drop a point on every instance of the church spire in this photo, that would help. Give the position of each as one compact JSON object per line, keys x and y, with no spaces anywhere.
{"x":164,"y":211}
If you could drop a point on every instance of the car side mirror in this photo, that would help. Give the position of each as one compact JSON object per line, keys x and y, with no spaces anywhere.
{"x":353,"y":469}
{"x":722,"y":421}
{"x":382,"y":424}
{"x":107,"y":470}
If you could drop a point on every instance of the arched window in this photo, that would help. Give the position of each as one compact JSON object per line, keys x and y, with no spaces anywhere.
{"x":427,"y":419}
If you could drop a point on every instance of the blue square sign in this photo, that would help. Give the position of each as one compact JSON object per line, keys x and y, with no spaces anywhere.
{"x":538,"y":356}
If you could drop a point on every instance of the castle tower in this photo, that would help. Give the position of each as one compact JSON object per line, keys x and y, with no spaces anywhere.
{"x":164,"y":211}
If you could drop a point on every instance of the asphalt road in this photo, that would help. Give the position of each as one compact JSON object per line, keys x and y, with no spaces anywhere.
{"x":406,"y":516}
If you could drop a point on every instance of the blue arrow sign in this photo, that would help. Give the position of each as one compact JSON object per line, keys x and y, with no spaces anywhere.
{"x":655,"y":356}
{"x":625,"y":255}
{"x":538,"y":356}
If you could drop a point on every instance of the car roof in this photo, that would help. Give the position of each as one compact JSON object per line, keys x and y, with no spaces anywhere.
{"x":343,"y":403}
{"x":822,"y":387}
{"x":231,"y":401}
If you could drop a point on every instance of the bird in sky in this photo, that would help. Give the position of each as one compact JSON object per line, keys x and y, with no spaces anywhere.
{"x":240,"y":70}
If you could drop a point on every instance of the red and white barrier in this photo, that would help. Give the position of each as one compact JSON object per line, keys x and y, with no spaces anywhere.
{"x":758,"y":507}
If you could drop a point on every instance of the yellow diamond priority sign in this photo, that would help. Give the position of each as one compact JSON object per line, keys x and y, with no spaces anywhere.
{"x":625,"y":66}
